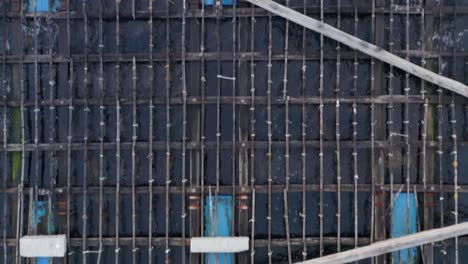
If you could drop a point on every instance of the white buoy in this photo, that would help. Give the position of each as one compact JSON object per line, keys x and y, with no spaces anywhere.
{"x":219,"y":244}
{"x":43,"y":246}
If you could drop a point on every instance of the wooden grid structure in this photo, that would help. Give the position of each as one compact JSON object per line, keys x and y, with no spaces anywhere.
{"x":123,"y":116}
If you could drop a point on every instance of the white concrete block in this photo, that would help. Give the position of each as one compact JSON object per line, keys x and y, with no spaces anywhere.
{"x":43,"y":246}
{"x":219,"y":244}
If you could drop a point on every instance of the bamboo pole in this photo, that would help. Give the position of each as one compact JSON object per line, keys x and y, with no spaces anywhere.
{"x":362,"y":46}
{"x":321,"y":170}
{"x":355,"y":129}
{"x":5,"y":137}
{"x":134,"y":161}
{"x":270,"y":141}
{"x":102,"y":131}
{"x":150,"y":136}
{"x":118,"y":133}
{"x":20,"y":205}
{"x":454,"y":153}
{"x":394,"y":244}
{"x":304,"y":138}
{"x":184,"y":128}
{"x":87,"y":113}
{"x":252,"y":136}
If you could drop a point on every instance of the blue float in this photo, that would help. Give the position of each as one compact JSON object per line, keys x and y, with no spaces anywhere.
{"x":225,"y":2}
{"x":400,"y":226}
{"x":220,"y":225}
{"x":43,"y":6}
{"x":40,"y":215}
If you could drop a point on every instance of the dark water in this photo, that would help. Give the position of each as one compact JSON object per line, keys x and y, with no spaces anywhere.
{"x":134,"y":39}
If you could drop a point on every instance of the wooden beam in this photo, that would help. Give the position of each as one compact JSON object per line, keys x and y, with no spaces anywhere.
{"x":394,"y":244}
{"x":243,"y":115}
{"x":429,"y":128}
{"x":194,"y":130}
{"x":380,"y":132}
{"x":362,"y":46}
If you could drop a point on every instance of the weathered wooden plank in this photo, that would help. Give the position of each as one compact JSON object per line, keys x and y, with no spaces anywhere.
{"x":242,"y":86}
{"x":395,"y":244}
{"x":362,"y":46}
{"x":194,"y":133}
{"x":429,"y":162}
{"x":380,"y":129}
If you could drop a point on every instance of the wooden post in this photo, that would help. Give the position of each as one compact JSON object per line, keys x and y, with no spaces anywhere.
{"x":16,"y":93}
{"x":380,"y":201}
{"x":429,"y":130}
{"x":243,"y":76}
{"x":362,"y":46}
{"x":394,"y":244}
{"x":193,"y":128}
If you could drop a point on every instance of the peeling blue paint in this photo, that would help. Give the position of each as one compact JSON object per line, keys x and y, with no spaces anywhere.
{"x":220,"y":225}
{"x":225,"y":2}
{"x":40,"y":214}
{"x":43,"y":6}
{"x":400,"y":226}
{"x":43,"y":260}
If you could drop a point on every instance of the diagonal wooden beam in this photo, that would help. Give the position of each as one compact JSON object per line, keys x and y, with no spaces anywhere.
{"x":362,"y":46}
{"x":395,"y":244}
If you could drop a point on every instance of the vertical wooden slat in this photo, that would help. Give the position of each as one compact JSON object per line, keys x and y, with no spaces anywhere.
{"x":429,"y":160}
{"x":380,"y":197}
{"x":195,"y":122}
{"x":243,"y":113}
